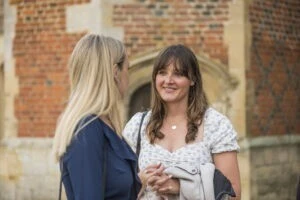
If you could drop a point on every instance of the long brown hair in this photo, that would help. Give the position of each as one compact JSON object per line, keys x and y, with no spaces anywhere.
{"x":187,"y":64}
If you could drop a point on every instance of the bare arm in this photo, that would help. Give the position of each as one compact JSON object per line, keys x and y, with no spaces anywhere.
{"x":227,"y":163}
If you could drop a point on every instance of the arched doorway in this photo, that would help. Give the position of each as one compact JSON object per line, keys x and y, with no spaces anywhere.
{"x":140,"y":100}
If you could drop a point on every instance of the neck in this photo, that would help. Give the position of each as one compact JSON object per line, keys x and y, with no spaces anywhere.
{"x":176,"y":109}
{"x":176,"y":114}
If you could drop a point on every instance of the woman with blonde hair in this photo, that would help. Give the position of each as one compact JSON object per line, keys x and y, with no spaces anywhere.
{"x":95,"y":160}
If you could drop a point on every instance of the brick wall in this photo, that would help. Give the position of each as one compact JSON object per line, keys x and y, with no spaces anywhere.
{"x":42,"y":46}
{"x":41,"y":49}
{"x":273,"y":76}
{"x":149,"y":25}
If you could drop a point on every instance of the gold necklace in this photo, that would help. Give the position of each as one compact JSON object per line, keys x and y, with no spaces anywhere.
{"x":173,"y":127}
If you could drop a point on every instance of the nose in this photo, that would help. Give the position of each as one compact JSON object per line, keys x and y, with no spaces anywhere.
{"x":169,"y":78}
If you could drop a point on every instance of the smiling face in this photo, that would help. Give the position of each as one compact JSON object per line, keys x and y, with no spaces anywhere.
{"x":176,"y":77}
{"x":172,"y":85}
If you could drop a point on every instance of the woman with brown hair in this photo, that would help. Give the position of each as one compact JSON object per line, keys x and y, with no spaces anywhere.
{"x":181,"y":129}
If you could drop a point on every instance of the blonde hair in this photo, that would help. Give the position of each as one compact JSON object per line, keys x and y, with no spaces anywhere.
{"x":92,"y":88}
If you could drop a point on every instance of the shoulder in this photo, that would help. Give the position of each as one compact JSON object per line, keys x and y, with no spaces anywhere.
{"x":219,"y":132}
{"x":89,"y":131}
{"x":138,"y":116}
{"x":216,"y":124}
{"x":89,"y":124}
{"x":214,"y":115}
{"x":135,"y":120}
{"x":87,"y":139}
{"x":131,"y":129}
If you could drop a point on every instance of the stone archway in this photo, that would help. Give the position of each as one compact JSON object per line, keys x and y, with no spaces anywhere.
{"x":140,"y":100}
{"x":217,"y":81}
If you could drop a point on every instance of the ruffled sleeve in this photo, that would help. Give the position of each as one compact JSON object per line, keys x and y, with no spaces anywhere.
{"x":226,"y":139}
{"x":222,"y":135}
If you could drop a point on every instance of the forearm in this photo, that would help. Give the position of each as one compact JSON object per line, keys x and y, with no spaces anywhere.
{"x":237,"y":190}
{"x":227,"y":163}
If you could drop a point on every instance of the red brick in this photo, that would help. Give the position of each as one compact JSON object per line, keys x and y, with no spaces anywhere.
{"x":41,"y":46}
{"x":275,"y":60}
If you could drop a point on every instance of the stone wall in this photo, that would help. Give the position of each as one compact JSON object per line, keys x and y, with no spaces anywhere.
{"x":275,"y":165}
{"x":27,"y":170}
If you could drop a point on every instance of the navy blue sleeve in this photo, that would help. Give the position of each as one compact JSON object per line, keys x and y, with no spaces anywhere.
{"x":85,"y":162}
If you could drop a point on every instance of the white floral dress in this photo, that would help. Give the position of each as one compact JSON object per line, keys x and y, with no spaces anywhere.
{"x":218,"y":136}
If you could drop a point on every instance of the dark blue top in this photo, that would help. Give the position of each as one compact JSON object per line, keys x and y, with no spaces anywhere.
{"x":82,"y":171}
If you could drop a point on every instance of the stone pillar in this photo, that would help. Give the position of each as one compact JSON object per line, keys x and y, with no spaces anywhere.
{"x":10,"y":79}
{"x":9,"y":163}
{"x":237,"y":41}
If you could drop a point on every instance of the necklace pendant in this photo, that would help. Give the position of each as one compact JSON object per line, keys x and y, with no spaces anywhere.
{"x":173,"y":127}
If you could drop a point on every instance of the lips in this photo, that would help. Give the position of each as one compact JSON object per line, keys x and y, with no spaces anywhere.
{"x":169,"y":89}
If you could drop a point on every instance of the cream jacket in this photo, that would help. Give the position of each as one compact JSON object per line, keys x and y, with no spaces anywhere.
{"x":195,"y":184}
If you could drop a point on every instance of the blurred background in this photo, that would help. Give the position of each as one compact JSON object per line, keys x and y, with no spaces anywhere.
{"x":249,"y":54}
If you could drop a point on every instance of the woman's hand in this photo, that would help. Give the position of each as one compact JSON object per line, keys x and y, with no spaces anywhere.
{"x":160,"y":182}
{"x":165,"y":184}
{"x":151,"y":171}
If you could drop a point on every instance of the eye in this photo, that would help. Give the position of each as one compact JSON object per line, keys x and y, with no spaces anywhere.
{"x":178,"y":73}
{"x":161,"y":72}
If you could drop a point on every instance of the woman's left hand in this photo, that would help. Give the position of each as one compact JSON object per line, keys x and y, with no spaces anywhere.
{"x":150,"y":172}
{"x":166,"y":185}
